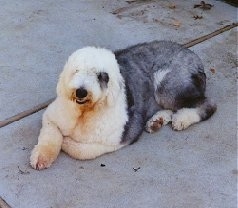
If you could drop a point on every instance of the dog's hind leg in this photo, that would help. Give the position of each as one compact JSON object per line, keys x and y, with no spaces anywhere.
{"x":158,"y":120}
{"x":84,"y":151}
{"x":185,"y":117}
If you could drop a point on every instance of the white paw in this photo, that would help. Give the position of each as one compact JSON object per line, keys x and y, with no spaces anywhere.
{"x":158,"y":120}
{"x":41,"y":157}
{"x":184,"y":118}
{"x":152,"y":126}
{"x":178,"y":124}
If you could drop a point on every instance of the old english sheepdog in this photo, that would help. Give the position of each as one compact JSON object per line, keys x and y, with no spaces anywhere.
{"x":105,"y":100}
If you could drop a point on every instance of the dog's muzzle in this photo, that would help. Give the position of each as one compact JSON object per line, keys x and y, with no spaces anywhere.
{"x":81,"y":95}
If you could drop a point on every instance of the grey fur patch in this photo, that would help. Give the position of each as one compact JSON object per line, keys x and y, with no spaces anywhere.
{"x":181,"y":82}
{"x":206,"y":109}
{"x":103,"y":79}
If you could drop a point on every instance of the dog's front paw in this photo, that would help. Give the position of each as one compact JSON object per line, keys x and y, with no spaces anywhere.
{"x":41,"y":157}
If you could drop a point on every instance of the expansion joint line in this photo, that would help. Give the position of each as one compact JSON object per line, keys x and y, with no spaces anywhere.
{"x":41,"y":106}
{"x":3,"y":203}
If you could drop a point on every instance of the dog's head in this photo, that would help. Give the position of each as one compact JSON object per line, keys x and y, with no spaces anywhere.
{"x":89,"y":76}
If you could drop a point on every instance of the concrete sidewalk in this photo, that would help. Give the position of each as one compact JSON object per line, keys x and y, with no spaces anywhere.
{"x":195,"y":168}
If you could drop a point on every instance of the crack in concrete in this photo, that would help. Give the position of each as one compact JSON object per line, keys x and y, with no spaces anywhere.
{"x":3,"y":203}
{"x":43,"y":105}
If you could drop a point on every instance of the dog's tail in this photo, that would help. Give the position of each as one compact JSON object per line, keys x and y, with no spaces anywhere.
{"x":206,"y":108}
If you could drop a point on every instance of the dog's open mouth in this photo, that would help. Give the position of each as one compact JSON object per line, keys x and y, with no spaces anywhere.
{"x":81,"y":102}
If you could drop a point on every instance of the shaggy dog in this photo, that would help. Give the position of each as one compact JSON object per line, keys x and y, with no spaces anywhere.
{"x":105,"y":100}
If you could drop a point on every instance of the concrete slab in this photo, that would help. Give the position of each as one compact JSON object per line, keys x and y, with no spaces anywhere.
{"x":193,"y":168}
{"x":37,"y":37}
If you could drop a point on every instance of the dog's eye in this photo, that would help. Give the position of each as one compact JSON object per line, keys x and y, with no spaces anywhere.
{"x":103,"y":77}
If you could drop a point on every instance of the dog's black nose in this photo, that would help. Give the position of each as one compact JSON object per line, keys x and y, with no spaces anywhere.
{"x":81,"y":93}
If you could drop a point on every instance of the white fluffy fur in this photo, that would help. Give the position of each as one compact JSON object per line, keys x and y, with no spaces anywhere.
{"x":185,"y":117}
{"x":159,"y":76}
{"x":89,"y":130}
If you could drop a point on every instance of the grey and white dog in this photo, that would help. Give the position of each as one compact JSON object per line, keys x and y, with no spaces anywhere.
{"x":164,"y":82}
{"x":105,"y":101}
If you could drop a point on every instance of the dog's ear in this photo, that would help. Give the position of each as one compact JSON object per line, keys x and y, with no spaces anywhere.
{"x":61,"y":89}
{"x":115,"y":86}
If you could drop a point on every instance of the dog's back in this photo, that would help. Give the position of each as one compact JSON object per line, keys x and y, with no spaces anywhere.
{"x":164,"y":75}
